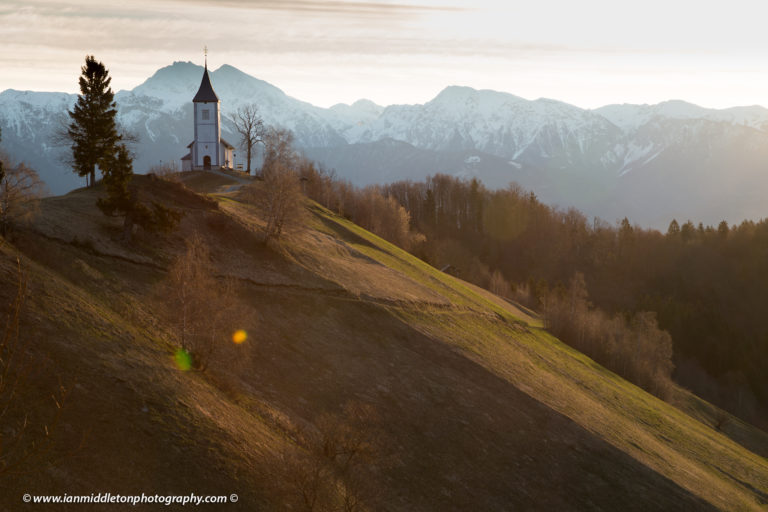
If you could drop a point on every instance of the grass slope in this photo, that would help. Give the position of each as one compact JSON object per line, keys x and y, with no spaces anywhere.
{"x":480,"y":409}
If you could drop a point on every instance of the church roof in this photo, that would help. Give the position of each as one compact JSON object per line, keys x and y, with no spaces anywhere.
{"x":188,"y":156}
{"x":227,"y":144}
{"x":205,"y":93}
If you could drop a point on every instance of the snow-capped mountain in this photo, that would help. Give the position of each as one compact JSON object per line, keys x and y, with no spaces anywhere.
{"x":647,"y":162}
{"x":489,"y":121}
{"x":631,"y":117}
{"x":160,"y":110}
{"x":31,"y":123}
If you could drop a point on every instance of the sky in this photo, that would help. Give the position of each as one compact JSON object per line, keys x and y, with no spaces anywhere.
{"x":588,"y":53}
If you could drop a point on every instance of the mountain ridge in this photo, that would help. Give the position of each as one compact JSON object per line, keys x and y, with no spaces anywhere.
{"x":545,"y":143}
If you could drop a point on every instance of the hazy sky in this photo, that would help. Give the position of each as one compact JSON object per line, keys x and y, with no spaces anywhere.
{"x":589,"y":52}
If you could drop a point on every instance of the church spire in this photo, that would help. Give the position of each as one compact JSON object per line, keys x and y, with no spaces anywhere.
{"x":205,"y":94}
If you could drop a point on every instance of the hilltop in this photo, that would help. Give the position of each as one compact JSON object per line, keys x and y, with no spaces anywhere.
{"x":474,"y":405}
{"x":650,"y":163}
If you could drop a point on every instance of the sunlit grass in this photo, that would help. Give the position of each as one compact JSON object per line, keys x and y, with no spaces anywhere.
{"x":398,"y":259}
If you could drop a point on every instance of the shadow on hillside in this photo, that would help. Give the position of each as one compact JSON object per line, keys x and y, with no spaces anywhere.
{"x":463,"y":438}
{"x":345,"y":233}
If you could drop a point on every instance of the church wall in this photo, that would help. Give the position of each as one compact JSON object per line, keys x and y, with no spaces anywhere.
{"x":227,"y":157}
{"x":207,"y":135}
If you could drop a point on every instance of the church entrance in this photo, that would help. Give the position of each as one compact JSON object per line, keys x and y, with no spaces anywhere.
{"x":207,"y":163}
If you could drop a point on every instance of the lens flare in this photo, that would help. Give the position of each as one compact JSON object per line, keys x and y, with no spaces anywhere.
{"x":182,"y":359}
{"x":239,"y":336}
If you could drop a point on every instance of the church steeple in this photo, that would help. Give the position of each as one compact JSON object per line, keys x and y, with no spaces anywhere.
{"x":206,"y":93}
{"x":208,"y":150}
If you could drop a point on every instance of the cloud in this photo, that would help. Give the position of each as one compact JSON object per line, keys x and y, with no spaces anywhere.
{"x":324,"y":6}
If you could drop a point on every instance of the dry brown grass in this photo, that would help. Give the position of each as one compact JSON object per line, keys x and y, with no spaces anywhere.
{"x":478,"y":410}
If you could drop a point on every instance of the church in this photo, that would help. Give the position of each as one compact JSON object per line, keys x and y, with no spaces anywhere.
{"x":208,"y":150}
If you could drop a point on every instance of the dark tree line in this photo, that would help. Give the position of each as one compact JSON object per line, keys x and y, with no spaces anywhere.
{"x":707,"y":286}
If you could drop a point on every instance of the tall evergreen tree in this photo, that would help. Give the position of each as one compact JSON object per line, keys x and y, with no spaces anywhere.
{"x":674,"y":228}
{"x":722,"y":229}
{"x":93,"y":129}
{"x":122,"y":201}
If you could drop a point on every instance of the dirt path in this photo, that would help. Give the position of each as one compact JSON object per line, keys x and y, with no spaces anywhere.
{"x":241,"y":181}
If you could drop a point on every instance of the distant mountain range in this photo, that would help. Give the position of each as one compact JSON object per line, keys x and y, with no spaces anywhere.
{"x":646,"y":162}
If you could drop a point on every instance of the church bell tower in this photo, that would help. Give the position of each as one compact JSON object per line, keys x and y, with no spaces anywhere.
{"x":206,"y":150}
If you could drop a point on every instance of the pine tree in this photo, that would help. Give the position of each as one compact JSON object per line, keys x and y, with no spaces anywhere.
{"x":93,"y":130}
{"x":722,"y":229}
{"x":674,"y":228}
{"x":119,"y":200}
{"x":122,"y":201}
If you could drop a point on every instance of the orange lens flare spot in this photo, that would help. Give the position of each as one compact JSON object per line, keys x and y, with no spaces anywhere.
{"x":182,"y":359}
{"x":239,"y":336}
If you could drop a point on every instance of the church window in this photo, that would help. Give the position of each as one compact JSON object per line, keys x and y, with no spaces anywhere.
{"x":206,"y":114}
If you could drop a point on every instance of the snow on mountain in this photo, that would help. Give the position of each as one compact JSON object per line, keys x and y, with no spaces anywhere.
{"x":494,"y":122}
{"x":172,"y":85}
{"x":568,"y":155}
{"x":20,"y":109}
{"x":170,"y":90}
{"x":31,"y":122}
{"x":630,"y":117}
{"x":351,"y":118}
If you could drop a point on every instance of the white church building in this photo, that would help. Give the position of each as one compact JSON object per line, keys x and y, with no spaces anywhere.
{"x":208,"y":150}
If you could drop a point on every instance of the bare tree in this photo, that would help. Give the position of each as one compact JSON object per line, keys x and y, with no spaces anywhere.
{"x":20,"y":190}
{"x":203,"y":309}
{"x":278,"y":149}
{"x":499,"y":285}
{"x":250,"y":126}
{"x":279,"y":196}
{"x":280,"y":200}
{"x":335,"y":466}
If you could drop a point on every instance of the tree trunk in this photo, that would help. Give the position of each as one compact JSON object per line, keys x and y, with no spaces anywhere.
{"x":93,"y":178}
{"x":249,"y":159}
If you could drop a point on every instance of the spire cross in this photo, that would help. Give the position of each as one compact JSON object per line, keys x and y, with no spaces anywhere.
{"x":205,"y":51}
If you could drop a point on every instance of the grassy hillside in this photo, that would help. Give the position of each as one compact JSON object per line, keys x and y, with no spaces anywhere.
{"x":473,"y":405}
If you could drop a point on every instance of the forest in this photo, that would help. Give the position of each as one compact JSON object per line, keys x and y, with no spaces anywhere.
{"x":706,"y":286}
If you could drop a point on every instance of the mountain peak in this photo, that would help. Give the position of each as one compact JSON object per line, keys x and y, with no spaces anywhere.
{"x":455,"y":93}
{"x":478,"y":98}
{"x":241,"y":83}
{"x":679,"y":109}
{"x":177,"y":71}
{"x":365,"y":104}
{"x":174,"y":84}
